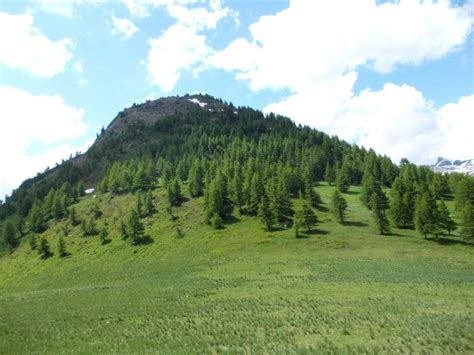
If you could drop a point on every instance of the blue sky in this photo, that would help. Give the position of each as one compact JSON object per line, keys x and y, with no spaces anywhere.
{"x":394,"y":76}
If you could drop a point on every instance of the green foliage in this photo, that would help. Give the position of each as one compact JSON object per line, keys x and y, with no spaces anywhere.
{"x":444,"y":219}
{"x":88,"y":226}
{"x":9,"y":234}
{"x":196,"y":179}
{"x":266,"y":213}
{"x":329,"y":175}
{"x":36,"y":218}
{"x":426,"y":221}
{"x":104,"y":235}
{"x":379,"y":205}
{"x":62,"y":247}
{"x":44,"y":250}
{"x":467,"y":218}
{"x":343,"y":181}
{"x":175,"y":196}
{"x":72,"y":215}
{"x":216,"y":221}
{"x":135,"y":229}
{"x":306,"y":217}
{"x":339,"y":206}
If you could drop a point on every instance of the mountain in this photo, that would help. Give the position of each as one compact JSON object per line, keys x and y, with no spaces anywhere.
{"x":218,"y":229}
{"x":444,"y":165}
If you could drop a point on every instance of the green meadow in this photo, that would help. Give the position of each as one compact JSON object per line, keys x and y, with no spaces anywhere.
{"x":240,"y":289}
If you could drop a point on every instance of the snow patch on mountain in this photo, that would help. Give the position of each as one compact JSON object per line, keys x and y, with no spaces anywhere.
{"x":444,"y":165}
{"x":197,"y":102}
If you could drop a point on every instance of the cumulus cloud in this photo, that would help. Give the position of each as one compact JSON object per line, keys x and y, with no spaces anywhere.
{"x":325,"y":42}
{"x":397,"y":120}
{"x":25,"y":47}
{"x":179,"y":48}
{"x":45,"y":120}
{"x":321,"y":41}
{"x":182,"y":46}
{"x":123,"y":27}
{"x":66,"y":8}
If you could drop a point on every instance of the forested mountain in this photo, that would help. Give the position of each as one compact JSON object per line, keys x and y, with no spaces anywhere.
{"x":242,"y":161}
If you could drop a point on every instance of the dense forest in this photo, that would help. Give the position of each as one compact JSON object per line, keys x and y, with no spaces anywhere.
{"x":242,"y":162}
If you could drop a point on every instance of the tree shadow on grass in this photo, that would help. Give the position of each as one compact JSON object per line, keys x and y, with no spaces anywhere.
{"x":351,"y":193}
{"x":145,"y":240}
{"x":355,"y":224}
{"x":228,"y":220}
{"x":450,"y":241}
{"x":307,"y":234}
{"x":322,"y":208}
{"x":46,"y":256}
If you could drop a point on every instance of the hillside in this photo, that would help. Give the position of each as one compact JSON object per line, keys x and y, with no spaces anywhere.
{"x":213,"y":228}
{"x":238,"y":289}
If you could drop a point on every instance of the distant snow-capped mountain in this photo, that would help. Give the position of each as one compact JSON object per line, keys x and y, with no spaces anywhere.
{"x":444,"y":165}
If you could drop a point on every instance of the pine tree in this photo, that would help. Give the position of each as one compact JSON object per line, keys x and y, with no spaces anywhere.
{"x":88,"y":226}
{"x":445,"y":220}
{"x":174,"y":193}
{"x":135,"y":228}
{"x":196,"y":179}
{"x":44,"y":249}
{"x":305,"y":217}
{"x":367,"y":189}
{"x":9,"y":233}
{"x":379,"y":205}
{"x":467,"y":218}
{"x":80,"y":188}
{"x":339,"y":206}
{"x":72,"y":215}
{"x":343,"y":181}
{"x":104,"y":235}
{"x":310,"y":195}
{"x":36,"y":218}
{"x":61,"y":247}
{"x":329,"y":174}
{"x":265,"y":212}
{"x":402,"y":204}
{"x":148,"y":205}
{"x":425,"y":214}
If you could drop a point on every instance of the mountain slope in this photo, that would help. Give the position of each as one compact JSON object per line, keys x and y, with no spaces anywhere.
{"x":341,"y":288}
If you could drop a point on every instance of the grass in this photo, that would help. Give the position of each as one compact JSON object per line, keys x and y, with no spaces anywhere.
{"x":343,"y":289}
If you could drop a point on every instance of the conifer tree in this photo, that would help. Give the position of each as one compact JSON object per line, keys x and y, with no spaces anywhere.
{"x":467,"y":218}
{"x":445,"y":220}
{"x":61,"y":247}
{"x":329,"y":175}
{"x":425,"y":214}
{"x":36,"y":218}
{"x":104,"y":235}
{"x":72,"y":215}
{"x":368,"y":186}
{"x":148,"y":205}
{"x":343,"y":180}
{"x":80,"y":188}
{"x":305,"y":217}
{"x":379,"y":205}
{"x":196,"y":179}
{"x":265,"y":212}
{"x":9,"y":233}
{"x":44,"y":249}
{"x":174,"y":193}
{"x":339,"y":206}
{"x":310,"y":195}
{"x":135,"y":228}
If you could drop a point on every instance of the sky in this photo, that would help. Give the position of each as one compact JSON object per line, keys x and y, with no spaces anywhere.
{"x":395,"y":76}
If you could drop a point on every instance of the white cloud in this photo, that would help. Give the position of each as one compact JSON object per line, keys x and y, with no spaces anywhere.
{"x":179,"y":48}
{"x":396,"y":120}
{"x":66,"y":8}
{"x":456,"y":123}
{"x":123,"y":27}
{"x":325,"y":39}
{"x":78,"y":66}
{"x":23,"y":46}
{"x":28,"y":119}
{"x":314,"y":49}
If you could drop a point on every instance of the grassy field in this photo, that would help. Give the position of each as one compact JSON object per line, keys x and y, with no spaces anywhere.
{"x":342,"y":289}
